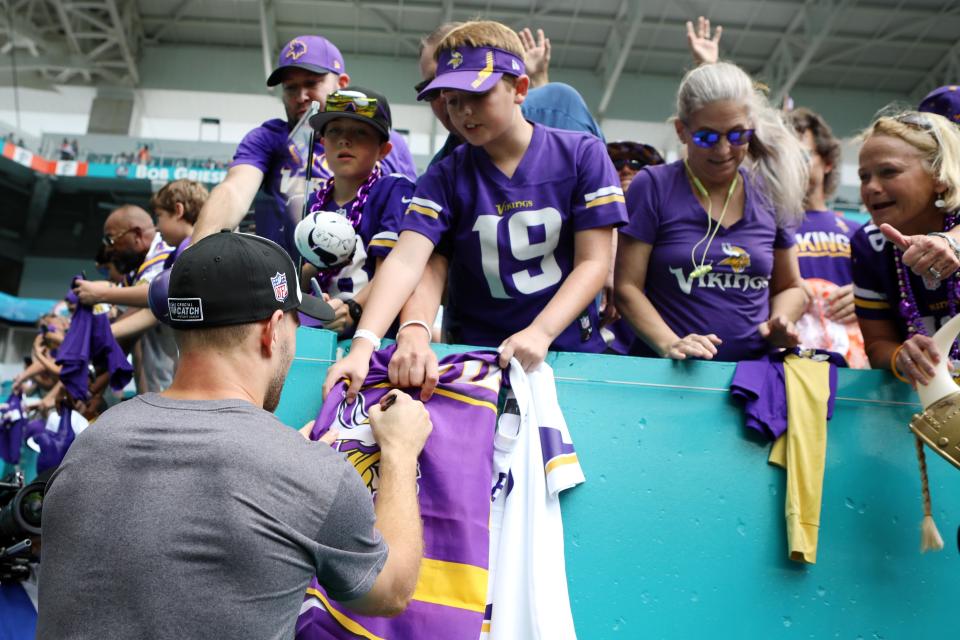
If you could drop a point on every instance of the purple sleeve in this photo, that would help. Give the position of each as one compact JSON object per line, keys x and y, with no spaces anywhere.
{"x":869,"y":293}
{"x":598,"y":200}
{"x":429,"y":211}
{"x":400,"y":160}
{"x":256,"y":148}
{"x":643,"y":208}
{"x":786,"y":237}
{"x":398,"y":195}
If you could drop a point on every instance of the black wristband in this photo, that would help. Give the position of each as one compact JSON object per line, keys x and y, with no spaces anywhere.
{"x":356,"y":310}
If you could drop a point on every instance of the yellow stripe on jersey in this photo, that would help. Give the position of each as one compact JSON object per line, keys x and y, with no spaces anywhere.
{"x":452,"y":584}
{"x":605,"y":200}
{"x":352,"y":626}
{"x":485,"y":627}
{"x":826,"y":253}
{"x":870,"y":304}
{"x":447,"y":394}
{"x":484,"y":73}
{"x":383,"y":242}
{"x":424,"y":210}
{"x":466,"y":399}
{"x":152,"y":261}
{"x":559,"y":461}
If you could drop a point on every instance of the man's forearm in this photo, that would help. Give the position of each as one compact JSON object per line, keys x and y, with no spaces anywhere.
{"x":133,"y":325}
{"x":229,"y":201}
{"x":398,"y":518}
{"x":135,"y":296}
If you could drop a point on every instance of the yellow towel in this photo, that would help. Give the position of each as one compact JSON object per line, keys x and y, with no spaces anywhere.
{"x":802,"y":451}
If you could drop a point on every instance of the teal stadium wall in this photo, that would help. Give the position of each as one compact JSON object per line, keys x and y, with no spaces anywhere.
{"x":679,"y":531}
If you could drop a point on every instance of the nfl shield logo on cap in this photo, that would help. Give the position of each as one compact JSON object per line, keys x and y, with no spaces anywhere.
{"x":279,"y":283}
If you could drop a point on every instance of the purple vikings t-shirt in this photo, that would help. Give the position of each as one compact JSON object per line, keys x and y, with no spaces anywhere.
{"x":823,"y":247}
{"x":875,"y":289}
{"x":379,"y":227}
{"x":267,"y":149}
{"x":732,"y":299}
{"x":511,"y":240}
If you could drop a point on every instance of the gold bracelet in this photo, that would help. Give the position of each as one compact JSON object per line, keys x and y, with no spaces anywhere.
{"x":893,"y":365}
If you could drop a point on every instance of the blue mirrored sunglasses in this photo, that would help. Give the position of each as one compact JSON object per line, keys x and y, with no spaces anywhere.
{"x":707,"y":138}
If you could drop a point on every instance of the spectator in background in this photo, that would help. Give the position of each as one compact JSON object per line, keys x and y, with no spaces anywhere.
{"x":944,"y":101}
{"x":143,"y":155}
{"x":628,"y":158}
{"x":707,"y":267}
{"x":823,"y":249}
{"x":910,"y":184}
{"x":138,"y":250}
{"x":67,"y":151}
{"x":176,"y":205}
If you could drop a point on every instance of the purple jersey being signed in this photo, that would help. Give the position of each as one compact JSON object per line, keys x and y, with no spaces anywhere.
{"x":734,"y":297}
{"x":268,"y":149}
{"x":512,"y":239}
{"x":823,"y":247}
{"x":378,"y":230}
{"x":875,"y":289}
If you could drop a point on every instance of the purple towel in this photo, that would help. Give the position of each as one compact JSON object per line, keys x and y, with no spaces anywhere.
{"x":89,"y":339}
{"x":762,"y":387}
{"x":12,"y":421}
{"x":53,"y":446}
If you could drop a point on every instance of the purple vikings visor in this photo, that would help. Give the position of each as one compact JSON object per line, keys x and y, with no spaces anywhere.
{"x":944,"y":101}
{"x":313,"y":53}
{"x":473,"y":69}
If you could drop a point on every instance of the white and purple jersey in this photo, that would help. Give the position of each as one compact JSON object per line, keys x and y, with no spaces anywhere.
{"x":733,"y":298}
{"x":511,"y":240}
{"x":268,"y":149}
{"x":378,"y":230}
{"x":823,"y":247}
{"x":875,"y":288}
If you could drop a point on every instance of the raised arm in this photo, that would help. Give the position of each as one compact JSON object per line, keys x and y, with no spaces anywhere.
{"x":703,"y":48}
{"x":229,"y":201}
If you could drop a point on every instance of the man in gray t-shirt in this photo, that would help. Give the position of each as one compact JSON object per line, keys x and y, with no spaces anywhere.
{"x":195,"y":513}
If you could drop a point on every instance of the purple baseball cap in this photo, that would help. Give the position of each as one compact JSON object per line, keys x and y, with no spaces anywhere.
{"x":473,"y":69}
{"x":313,"y":53}
{"x":944,"y":101}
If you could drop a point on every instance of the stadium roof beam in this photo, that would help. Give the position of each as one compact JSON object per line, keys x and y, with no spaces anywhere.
{"x":122,"y":31}
{"x":268,"y":35}
{"x":617,"y":50}
{"x":792,"y":55}
{"x":166,"y":23}
{"x":947,"y":71}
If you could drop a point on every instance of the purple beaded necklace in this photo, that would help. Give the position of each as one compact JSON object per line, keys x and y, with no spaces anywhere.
{"x":356,"y":211}
{"x":908,"y":308}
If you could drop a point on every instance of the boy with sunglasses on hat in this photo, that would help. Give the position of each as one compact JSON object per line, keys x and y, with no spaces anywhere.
{"x":355,"y":131}
{"x":528,"y":212}
{"x":309,"y":69}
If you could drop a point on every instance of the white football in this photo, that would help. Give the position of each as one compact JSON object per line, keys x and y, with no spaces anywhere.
{"x":326,"y":239}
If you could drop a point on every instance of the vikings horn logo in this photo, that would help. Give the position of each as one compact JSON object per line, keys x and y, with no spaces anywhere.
{"x":456,"y":59}
{"x":296,"y":50}
{"x":737,"y":258}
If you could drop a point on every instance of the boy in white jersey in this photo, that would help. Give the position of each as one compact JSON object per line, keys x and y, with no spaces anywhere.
{"x":525,"y":213}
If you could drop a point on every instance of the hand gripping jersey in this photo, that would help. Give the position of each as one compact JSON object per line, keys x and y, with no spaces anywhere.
{"x":511,"y":240}
{"x":454,"y":474}
{"x":89,"y":340}
{"x":377,"y":233}
{"x":283,"y":163}
{"x":534,"y":461}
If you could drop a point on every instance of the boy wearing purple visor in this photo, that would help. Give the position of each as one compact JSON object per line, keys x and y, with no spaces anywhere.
{"x":525,"y":214}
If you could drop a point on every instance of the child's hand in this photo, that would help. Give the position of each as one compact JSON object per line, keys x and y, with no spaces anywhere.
{"x":354,"y":367}
{"x":529,"y":347}
{"x":414,"y":364}
{"x":91,"y":292}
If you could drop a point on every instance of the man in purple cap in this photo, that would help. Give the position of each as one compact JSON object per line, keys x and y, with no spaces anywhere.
{"x":309,"y":69}
{"x":195,"y":513}
{"x":944,"y":101}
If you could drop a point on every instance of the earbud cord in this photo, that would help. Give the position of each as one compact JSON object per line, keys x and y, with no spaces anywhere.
{"x":704,"y":268}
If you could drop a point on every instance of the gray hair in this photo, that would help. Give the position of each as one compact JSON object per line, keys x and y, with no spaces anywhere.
{"x":776,"y":163}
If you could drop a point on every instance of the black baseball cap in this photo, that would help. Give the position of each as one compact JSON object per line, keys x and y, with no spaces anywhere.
{"x":356,"y":103}
{"x":235,"y":278}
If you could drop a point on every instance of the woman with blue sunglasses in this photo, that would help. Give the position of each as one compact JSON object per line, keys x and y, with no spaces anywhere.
{"x":706,"y":267}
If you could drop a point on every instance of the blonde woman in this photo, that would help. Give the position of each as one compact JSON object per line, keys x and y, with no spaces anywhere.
{"x":910,"y":184}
